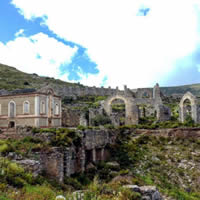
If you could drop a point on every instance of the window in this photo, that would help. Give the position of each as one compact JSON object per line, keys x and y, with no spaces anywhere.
{"x":26,"y":107}
{"x":56,"y":109}
{"x":42,"y":107}
{"x":12,"y":109}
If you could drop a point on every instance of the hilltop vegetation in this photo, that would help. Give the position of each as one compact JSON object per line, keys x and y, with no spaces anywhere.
{"x":11,"y":78}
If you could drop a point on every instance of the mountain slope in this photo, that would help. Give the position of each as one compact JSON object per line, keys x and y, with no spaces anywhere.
{"x":193,"y":88}
{"x":11,"y":79}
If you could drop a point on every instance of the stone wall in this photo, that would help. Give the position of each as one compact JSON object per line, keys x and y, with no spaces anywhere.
{"x":70,"y":118}
{"x":58,"y":162}
{"x":84,"y":91}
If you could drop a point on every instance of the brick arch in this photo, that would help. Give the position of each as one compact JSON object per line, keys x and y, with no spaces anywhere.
{"x":131,"y":108}
{"x":182,"y":110}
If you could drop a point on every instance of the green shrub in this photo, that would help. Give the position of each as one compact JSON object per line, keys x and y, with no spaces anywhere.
{"x":100,"y":120}
{"x":73,"y":182}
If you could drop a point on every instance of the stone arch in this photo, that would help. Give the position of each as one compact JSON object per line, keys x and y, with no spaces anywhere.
{"x":11,"y":109}
{"x":193,"y":101}
{"x":131,"y":109}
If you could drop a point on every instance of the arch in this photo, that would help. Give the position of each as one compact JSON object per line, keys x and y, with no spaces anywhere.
{"x":26,"y":107}
{"x":42,"y":107}
{"x":11,"y":109}
{"x":131,"y":109}
{"x":183,"y":110}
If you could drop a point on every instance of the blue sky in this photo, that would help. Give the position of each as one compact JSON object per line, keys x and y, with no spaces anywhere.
{"x":109,"y":43}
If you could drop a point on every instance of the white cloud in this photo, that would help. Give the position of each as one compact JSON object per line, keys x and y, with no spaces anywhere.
{"x":132,"y":50}
{"x":19,"y":33}
{"x":36,"y":54}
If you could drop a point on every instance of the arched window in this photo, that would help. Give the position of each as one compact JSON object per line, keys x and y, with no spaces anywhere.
{"x":26,"y":107}
{"x":12,"y":109}
{"x":42,"y":107}
{"x":56,"y":109}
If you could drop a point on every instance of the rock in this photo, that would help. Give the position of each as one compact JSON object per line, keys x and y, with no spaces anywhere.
{"x":156,"y":196}
{"x":147,"y":192}
{"x":78,"y":195}
{"x":122,"y":179}
{"x":32,"y":165}
{"x":134,"y":188}
{"x":146,"y":198}
{"x":147,"y":189}
{"x":113,"y":164}
{"x":150,"y":191}
{"x":60,"y":197}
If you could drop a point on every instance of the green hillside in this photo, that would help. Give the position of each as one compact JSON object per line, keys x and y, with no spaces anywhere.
{"x":194,"y":89}
{"x":11,"y":78}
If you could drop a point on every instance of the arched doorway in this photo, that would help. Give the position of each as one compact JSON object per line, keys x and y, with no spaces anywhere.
{"x":131,"y":109}
{"x":188,"y":107}
{"x":118,"y":111}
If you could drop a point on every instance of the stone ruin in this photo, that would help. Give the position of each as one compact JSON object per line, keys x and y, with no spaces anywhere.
{"x":141,"y":102}
{"x":189,"y":106}
{"x":133,"y":100}
{"x":60,"y":162}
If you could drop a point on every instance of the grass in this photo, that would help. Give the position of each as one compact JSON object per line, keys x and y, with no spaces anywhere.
{"x":11,"y":79}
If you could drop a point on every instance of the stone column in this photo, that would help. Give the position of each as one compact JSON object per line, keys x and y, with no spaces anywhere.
{"x":94,"y":155}
{"x":67,"y":162}
{"x":82,"y":158}
{"x":102,"y":154}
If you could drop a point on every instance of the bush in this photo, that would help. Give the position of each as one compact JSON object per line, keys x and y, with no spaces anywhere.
{"x":100,"y":120}
{"x":73,"y":182}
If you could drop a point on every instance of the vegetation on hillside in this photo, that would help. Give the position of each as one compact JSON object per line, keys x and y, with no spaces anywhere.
{"x":170,"y":163}
{"x":11,"y":79}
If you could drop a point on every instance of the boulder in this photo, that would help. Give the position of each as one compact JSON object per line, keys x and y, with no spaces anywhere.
{"x":147,"y":192}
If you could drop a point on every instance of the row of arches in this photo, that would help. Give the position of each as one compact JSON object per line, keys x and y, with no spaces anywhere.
{"x":130,"y":112}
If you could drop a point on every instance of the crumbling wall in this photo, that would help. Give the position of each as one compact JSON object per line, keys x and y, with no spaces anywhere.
{"x":163,"y":113}
{"x":60,"y":162}
{"x":194,"y":108}
{"x":53,"y":165}
{"x":70,"y":118}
